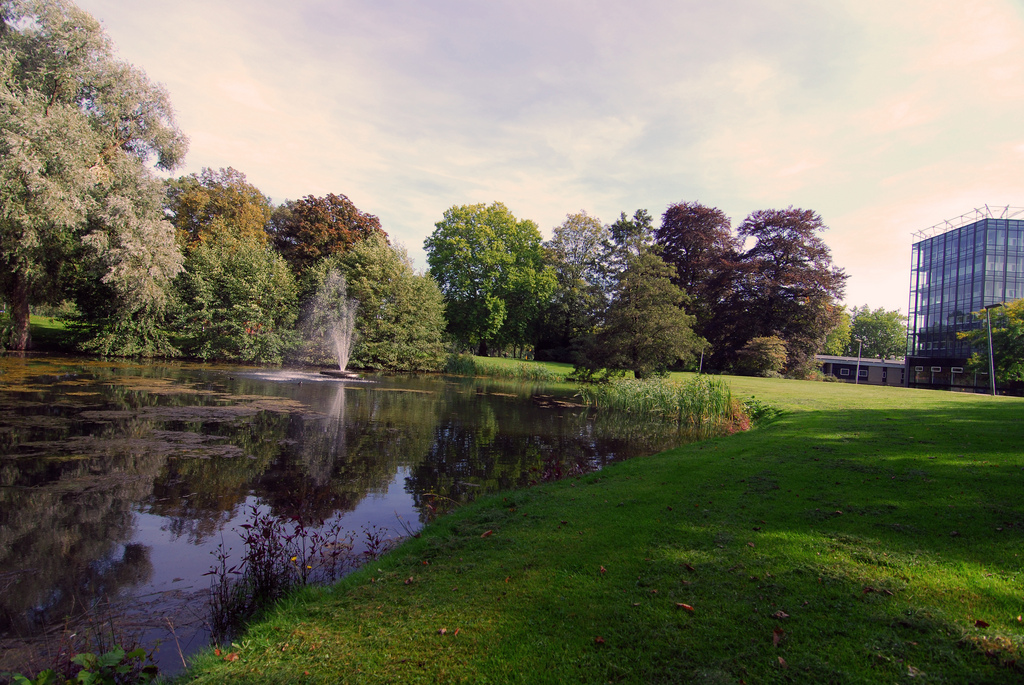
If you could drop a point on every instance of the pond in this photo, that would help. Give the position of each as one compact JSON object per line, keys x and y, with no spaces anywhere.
{"x":118,"y":480}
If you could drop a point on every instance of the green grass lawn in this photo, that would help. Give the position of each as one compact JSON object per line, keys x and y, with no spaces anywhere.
{"x":48,"y":334}
{"x":866,"y":535}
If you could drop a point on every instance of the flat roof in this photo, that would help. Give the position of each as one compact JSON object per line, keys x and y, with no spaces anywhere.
{"x":864,"y":361}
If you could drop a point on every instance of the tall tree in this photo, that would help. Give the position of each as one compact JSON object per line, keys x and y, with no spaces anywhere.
{"x":78,"y":128}
{"x":309,"y":229}
{"x":884,"y":333}
{"x":644,"y":328}
{"x":788,"y":286}
{"x":575,"y":253}
{"x":489,"y":266}
{"x":699,"y":242}
{"x":238,"y":299}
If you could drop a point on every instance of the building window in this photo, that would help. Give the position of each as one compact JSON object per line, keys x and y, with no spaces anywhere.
{"x":936,"y":369}
{"x":863,"y":373}
{"x":844,"y":372}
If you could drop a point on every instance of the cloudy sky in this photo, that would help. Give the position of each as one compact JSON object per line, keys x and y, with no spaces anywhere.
{"x":885,"y":117}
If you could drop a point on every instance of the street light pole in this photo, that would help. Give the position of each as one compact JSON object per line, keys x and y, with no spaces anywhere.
{"x":991,"y":354}
{"x":860,"y":346}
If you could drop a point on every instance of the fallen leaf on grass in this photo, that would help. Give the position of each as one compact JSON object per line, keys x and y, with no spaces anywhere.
{"x":216,"y":652}
{"x":980,"y":624}
{"x":456,"y":631}
{"x":603,"y":570}
{"x":233,"y":656}
{"x":777,"y":636}
{"x":487,"y":534}
{"x":599,"y":640}
{"x":913,"y":672}
{"x":408,"y":580}
{"x":750,"y":544}
{"x":442,"y":631}
{"x":688,"y":567}
{"x":684,"y":606}
{"x":782,"y":662}
{"x":780,"y":614}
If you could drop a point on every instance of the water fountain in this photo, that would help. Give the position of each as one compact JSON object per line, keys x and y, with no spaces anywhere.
{"x":330,"y":324}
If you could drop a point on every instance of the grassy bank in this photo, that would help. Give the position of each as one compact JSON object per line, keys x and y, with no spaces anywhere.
{"x":866,"y":535}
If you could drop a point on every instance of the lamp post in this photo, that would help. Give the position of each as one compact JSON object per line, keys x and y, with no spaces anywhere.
{"x":991,"y":354}
{"x":860,"y":346}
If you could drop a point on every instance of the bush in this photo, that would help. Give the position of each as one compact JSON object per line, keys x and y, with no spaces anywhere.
{"x":761,"y":356}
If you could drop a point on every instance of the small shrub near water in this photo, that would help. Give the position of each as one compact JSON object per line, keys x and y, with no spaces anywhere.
{"x":703,"y":404}
{"x":281,"y":553}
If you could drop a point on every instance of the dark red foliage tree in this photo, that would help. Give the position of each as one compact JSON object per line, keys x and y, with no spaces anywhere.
{"x":787,"y":286}
{"x":307,"y":230}
{"x":699,"y":242}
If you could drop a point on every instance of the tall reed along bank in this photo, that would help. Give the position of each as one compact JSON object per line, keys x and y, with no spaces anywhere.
{"x":864,"y":535}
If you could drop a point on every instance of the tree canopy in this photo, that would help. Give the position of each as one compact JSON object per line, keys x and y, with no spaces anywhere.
{"x":78,"y":129}
{"x":1007,"y":343}
{"x":489,"y":266}
{"x":210,"y":203}
{"x":884,"y":333}
{"x":698,"y":241}
{"x":307,"y":230}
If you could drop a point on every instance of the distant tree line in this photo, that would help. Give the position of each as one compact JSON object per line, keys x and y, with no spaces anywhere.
{"x":628,"y":296}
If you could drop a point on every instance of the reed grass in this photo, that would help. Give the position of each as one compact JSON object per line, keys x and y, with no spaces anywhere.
{"x":701,"y":403}
{"x":497,"y":367}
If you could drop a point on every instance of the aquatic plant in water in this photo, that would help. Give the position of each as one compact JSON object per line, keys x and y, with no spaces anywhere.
{"x":281,"y":553}
{"x":702,"y":404}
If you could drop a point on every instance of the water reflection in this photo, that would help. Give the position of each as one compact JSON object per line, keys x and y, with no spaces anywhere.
{"x":92,"y":453}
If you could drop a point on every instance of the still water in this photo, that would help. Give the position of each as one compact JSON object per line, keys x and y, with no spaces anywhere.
{"x":117,"y":480}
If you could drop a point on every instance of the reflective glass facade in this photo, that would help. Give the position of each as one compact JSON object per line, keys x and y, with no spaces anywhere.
{"x":959,"y":272}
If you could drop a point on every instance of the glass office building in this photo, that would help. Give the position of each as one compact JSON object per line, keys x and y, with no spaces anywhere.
{"x":957,"y":268}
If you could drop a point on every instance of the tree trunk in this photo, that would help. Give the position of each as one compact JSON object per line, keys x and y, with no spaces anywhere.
{"x":482,"y":352}
{"x":21,"y":338}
